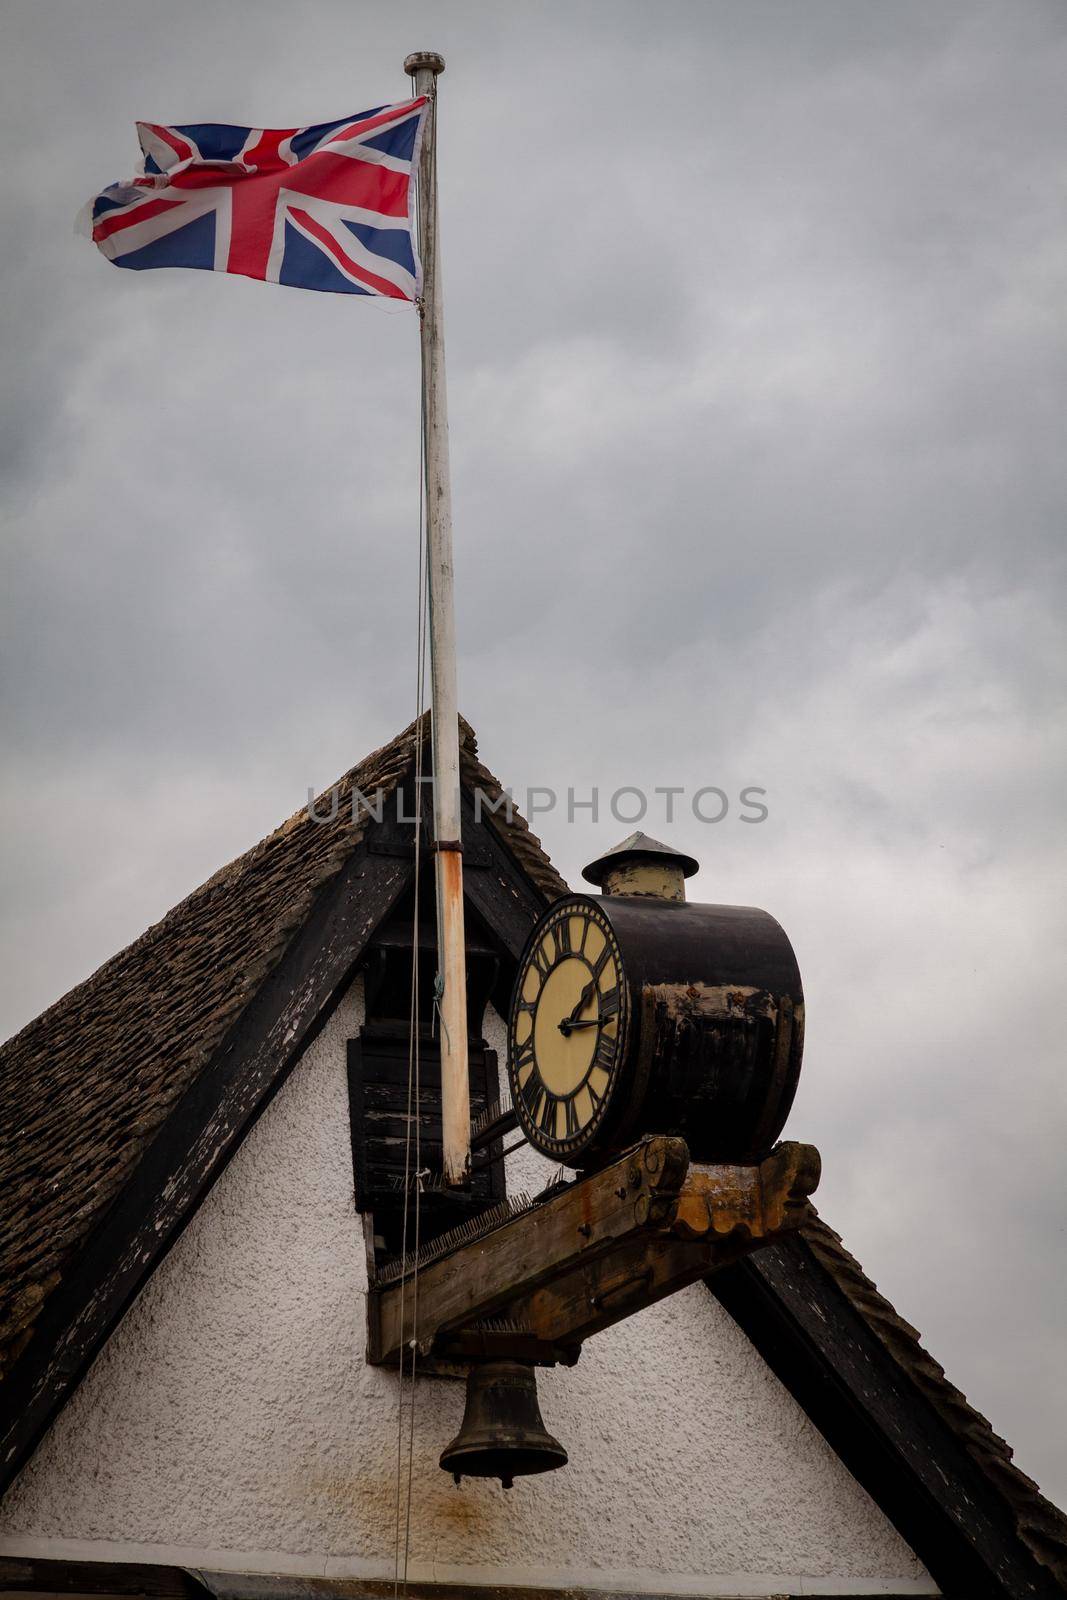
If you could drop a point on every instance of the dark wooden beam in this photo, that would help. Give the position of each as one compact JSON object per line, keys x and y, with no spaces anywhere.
{"x":497,"y":887}
{"x":193,"y":1146}
{"x":474,"y":1279}
{"x":500,"y":1124}
{"x":721,"y":1213}
{"x":253,"y":1586}
{"x":910,"y":1460}
{"x":591,"y":1254}
{"x":32,"y":1576}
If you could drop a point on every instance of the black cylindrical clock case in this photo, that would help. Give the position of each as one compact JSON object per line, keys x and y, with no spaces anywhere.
{"x":704,"y":1038}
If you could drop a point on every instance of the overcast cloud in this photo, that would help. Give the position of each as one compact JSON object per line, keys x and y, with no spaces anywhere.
{"x":756,"y":342}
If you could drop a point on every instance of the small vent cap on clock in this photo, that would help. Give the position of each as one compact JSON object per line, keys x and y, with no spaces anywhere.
{"x":641,"y":865}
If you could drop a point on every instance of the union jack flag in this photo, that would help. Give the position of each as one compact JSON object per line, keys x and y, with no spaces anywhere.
{"x":329,"y":207}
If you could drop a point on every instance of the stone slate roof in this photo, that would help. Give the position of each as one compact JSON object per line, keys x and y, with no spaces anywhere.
{"x":84,"y":1086}
{"x":1041,"y":1526}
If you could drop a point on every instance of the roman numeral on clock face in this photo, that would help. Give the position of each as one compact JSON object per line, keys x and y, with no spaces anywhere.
{"x":546,"y":1117}
{"x":572,"y":1119}
{"x":597,"y":1084}
{"x":561,"y":933}
{"x":531,"y":1092}
{"x":601,"y":962}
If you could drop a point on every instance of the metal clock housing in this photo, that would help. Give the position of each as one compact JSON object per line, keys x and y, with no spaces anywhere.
{"x":634,"y":1014}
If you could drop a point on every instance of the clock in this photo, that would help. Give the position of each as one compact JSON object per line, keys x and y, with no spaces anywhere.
{"x":569,"y":1028}
{"x":640,"y":1013}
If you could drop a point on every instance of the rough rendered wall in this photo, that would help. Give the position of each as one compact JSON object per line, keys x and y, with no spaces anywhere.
{"x":231,"y":1423}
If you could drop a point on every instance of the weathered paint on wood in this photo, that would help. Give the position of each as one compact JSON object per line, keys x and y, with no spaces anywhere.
{"x":593,"y":1253}
{"x":425,"y":66}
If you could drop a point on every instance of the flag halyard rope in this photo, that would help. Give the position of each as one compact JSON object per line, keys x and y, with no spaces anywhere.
{"x":401,"y":1559}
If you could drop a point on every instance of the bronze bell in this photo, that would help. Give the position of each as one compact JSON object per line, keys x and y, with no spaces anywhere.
{"x":502,"y":1434}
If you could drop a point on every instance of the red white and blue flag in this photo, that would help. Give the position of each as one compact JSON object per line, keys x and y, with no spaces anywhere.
{"x":329,"y":207}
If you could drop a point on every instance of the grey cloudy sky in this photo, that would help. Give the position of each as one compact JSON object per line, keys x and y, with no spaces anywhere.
{"x":756,"y":343}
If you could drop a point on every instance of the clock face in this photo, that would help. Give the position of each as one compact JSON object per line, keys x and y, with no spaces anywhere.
{"x":568,"y":1024}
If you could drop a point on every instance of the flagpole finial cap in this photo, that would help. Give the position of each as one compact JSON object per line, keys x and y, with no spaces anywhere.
{"x":424,"y":61}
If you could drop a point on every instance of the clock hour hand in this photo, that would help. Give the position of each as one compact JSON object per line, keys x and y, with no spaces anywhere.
{"x":567,"y":1026}
{"x":583,"y":1000}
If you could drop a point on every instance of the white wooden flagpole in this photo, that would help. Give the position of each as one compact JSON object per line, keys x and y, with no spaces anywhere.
{"x":425,"y":66}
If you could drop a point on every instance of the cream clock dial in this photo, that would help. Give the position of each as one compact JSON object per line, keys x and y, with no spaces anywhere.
{"x":567,"y":1029}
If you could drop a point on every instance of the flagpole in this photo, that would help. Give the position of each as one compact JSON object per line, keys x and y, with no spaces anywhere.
{"x":425,"y":66}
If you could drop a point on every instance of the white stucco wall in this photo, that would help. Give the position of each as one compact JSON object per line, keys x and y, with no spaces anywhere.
{"x":231,"y":1423}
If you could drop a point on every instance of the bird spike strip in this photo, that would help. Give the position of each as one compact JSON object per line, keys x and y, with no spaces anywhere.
{"x":465,"y":1233}
{"x":487,"y":1117}
{"x":424,"y":1181}
{"x":501,"y":1325}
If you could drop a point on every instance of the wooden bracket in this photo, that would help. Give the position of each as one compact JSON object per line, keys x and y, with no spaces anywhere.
{"x":757,"y":1202}
{"x":589,"y":1254}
